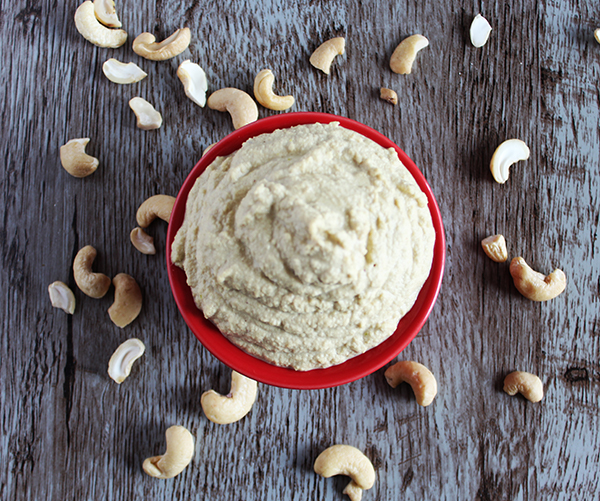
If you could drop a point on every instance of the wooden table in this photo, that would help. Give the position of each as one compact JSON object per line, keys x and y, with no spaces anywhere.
{"x":70,"y":432}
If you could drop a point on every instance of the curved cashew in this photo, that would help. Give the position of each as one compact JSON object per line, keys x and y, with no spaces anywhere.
{"x":534,"y":285}
{"x":156,"y":206}
{"x":324,"y":54}
{"x":128,"y":300}
{"x":92,"y":284}
{"x":145,"y":45}
{"x":508,"y":153}
{"x":142,"y":241}
{"x":239,"y":104}
{"x":105,"y":13}
{"x":349,"y":461}
{"x":227,"y":409}
{"x":123,"y":73}
{"x":62,"y":297}
{"x":179,"y":453}
{"x":147,"y":116}
{"x":388,"y":95}
{"x":528,"y":385}
{"x":419,"y":377}
{"x":90,"y":28}
{"x":263,"y":92}
{"x":480,"y":31}
{"x":405,"y":53}
{"x":121,"y":361}
{"x":75,"y":160}
{"x":495,"y":248}
{"x":194,"y":82}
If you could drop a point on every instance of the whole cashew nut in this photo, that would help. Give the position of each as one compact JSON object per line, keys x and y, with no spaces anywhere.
{"x":239,"y":104}
{"x":145,"y":45}
{"x":263,"y":92}
{"x":121,"y":361}
{"x":159,"y":206}
{"x":179,"y":453}
{"x":228,"y":409}
{"x":509,"y":152}
{"x":534,"y":285}
{"x":62,"y":297}
{"x":92,"y":284}
{"x":419,"y":377}
{"x":142,"y":241}
{"x":75,"y":160}
{"x":405,"y":53}
{"x":525,"y":383}
{"x":325,"y":53}
{"x":128,"y":300}
{"x":93,"y":31}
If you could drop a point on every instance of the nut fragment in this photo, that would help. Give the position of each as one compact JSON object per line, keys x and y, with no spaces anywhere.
{"x":62,"y":297}
{"x":142,"y":241}
{"x":495,"y":248}
{"x":145,"y":45}
{"x":597,"y":35}
{"x":525,"y":383}
{"x":324,"y":54}
{"x":105,"y":13}
{"x":179,"y":453}
{"x":128,"y":300}
{"x":508,"y":153}
{"x":147,"y":116}
{"x":121,"y":361}
{"x":388,"y":95}
{"x":534,"y":285}
{"x":92,"y":284}
{"x":419,"y":377}
{"x":405,"y":53}
{"x":123,"y":73}
{"x":263,"y":92}
{"x":480,"y":31}
{"x":75,"y":160}
{"x":227,"y":409}
{"x":156,"y":206}
{"x":194,"y":82}
{"x":93,"y":31}
{"x":239,"y":104}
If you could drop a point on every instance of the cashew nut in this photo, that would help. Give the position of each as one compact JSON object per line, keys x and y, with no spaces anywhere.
{"x":147,"y":117}
{"x":62,"y":297}
{"x":388,"y":95}
{"x":156,"y":206}
{"x":528,"y":385}
{"x":142,"y":241}
{"x":597,"y":35}
{"x":91,"y":284}
{"x":495,"y":248}
{"x":123,"y":73}
{"x":208,"y":148}
{"x":349,"y":461}
{"x":508,"y":153}
{"x":194,"y":82}
{"x":105,"y":13}
{"x":419,"y":377}
{"x":534,"y":285}
{"x":179,"y":453}
{"x":324,"y":54}
{"x":263,"y":92}
{"x":405,"y":53}
{"x":128,"y":300}
{"x":230,"y":408}
{"x":480,"y":31}
{"x":145,"y":45}
{"x":75,"y":160}
{"x":239,"y":104}
{"x":121,"y":361}
{"x":93,"y":31}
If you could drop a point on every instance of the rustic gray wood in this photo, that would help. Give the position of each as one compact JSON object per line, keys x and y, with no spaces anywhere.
{"x":69,"y":432}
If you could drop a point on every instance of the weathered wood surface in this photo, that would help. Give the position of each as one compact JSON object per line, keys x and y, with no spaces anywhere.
{"x":69,"y":432}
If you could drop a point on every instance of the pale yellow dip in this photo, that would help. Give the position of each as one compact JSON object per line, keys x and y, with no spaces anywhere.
{"x":307,"y":245}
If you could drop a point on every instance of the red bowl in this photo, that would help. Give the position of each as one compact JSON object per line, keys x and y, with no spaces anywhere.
{"x":264,"y":372}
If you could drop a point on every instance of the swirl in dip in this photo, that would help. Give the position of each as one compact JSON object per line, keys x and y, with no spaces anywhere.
{"x":307,"y":245}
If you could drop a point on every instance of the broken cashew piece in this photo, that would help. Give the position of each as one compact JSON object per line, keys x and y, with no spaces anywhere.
{"x":92,"y":284}
{"x":239,"y":104}
{"x":480,"y":31}
{"x":93,"y":31}
{"x":194,"y":82}
{"x":494,"y":247}
{"x":179,"y":453}
{"x":597,"y":35}
{"x":534,"y":285}
{"x":263,"y":92}
{"x":349,"y":461}
{"x":147,"y":116}
{"x":62,"y":297}
{"x":75,"y":160}
{"x":128,"y":300}
{"x":525,"y":383}
{"x":123,"y":73}
{"x":418,"y":376}
{"x":156,"y":206}
{"x":142,"y":241}
{"x":105,"y":13}
{"x":509,"y":152}
{"x":405,"y":53}
{"x":226,"y":409}
{"x":121,"y":361}
{"x":388,"y":95}
{"x":325,"y":53}
{"x":145,"y":45}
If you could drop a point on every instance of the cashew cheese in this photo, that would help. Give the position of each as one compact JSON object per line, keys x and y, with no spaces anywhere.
{"x":307,"y":245}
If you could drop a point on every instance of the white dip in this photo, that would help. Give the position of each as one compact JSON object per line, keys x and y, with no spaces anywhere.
{"x":307,"y":245}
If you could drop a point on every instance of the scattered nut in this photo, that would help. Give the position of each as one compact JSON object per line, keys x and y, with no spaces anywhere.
{"x":405,"y":53}
{"x":234,"y":406}
{"x":388,"y":95}
{"x":147,"y":117}
{"x":179,"y":453}
{"x":92,"y":284}
{"x":324,"y":54}
{"x":239,"y":104}
{"x":93,"y":31}
{"x":534,"y":285}
{"x":128,"y":300}
{"x":480,"y":31}
{"x":528,"y":385}
{"x":105,"y":13}
{"x":75,"y":160}
{"x":495,"y":248}
{"x":62,"y":297}
{"x":508,"y":153}
{"x":418,"y":376}
{"x":142,"y":241}
{"x":121,"y":361}
{"x":194,"y":82}
{"x":208,"y":148}
{"x":263,"y":92}
{"x":597,"y":35}
{"x":156,"y":206}
{"x":123,"y":73}
{"x":145,"y":45}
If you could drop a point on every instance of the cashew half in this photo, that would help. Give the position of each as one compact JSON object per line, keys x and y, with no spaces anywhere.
{"x":263,"y":92}
{"x":123,"y":73}
{"x":92,"y":284}
{"x":156,"y":206}
{"x":75,"y":160}
{"x":325,"y":53}
{"x":349,"y":461}
{"x":145,"y":45}
{"x":528,"y":385}
{"x":480,"y":31}
{"x":142,"y":241}
{"x":226,"y":409}
{"x":194,"y":82}
{"x":62,"y":297}
{"x":388,"y":95}
{"x":508,"y":153}
{"x":105,"y":13}
{"x":128,"y":300}
{"x":495,"y":248}
{"x":239,"y":104}
{"x":405,"y":53}
{"x":121,"y":361}
{"x":179,"y":453}
{"x":93,"y":31}
{"x":147,"y":116}
{"x":419,"y":377}
{"x":534,"y":285}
